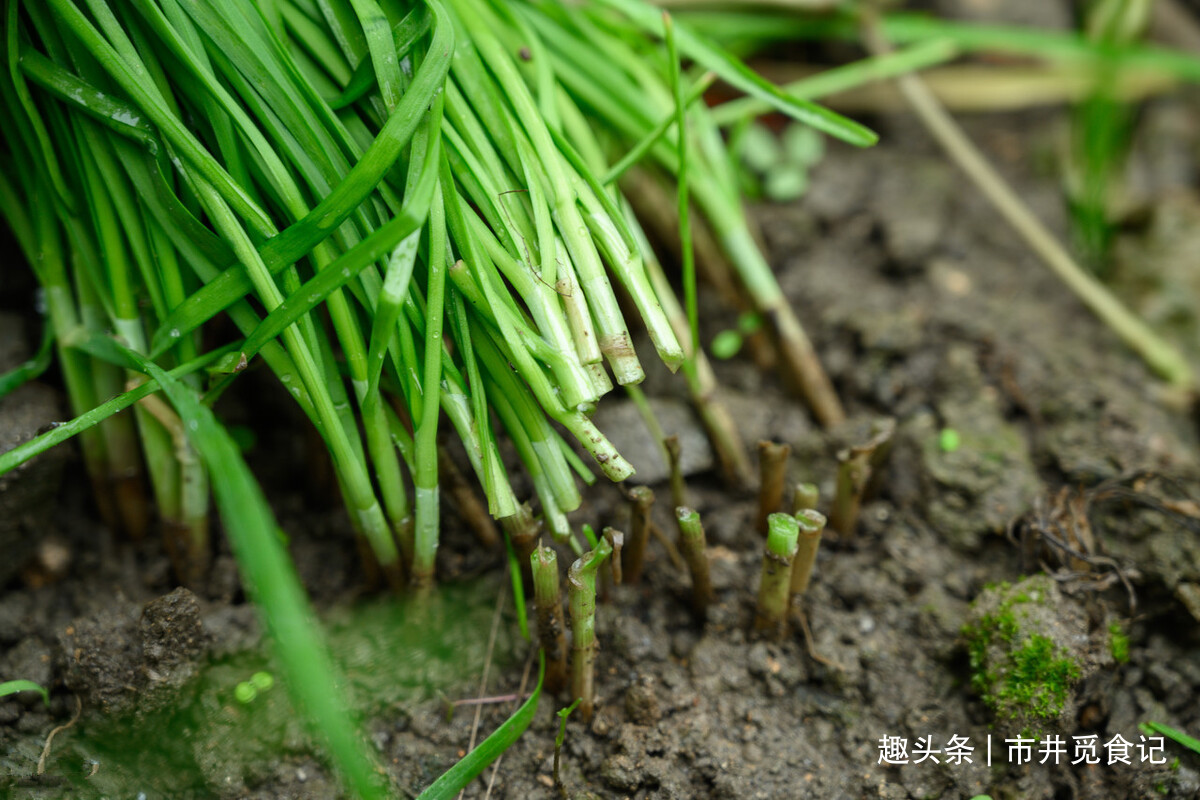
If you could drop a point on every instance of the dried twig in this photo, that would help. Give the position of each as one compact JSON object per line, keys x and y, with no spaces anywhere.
{"x":1160,"y":355}
{"x":41,"y":765}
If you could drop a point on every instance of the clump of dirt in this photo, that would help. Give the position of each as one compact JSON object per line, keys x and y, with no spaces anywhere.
{"x":972,"y":483}
{"x":1030,"y":648}
{"x":127,"y":658}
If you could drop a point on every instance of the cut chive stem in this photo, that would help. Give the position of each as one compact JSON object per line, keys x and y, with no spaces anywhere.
{"x":675,"y":467}
{"x":616,"y":540}
{"x":523,"y":530}
{"x":701,"y":381}
{"x":694,"y":548}
{"x":805,"y":496}
{"x":466,"y":502}
{"x":856,"y":468}
{"x":425,"y":475}
{"x":772,"y":474}
{"x":641,"y":501}
{"x":774,"y":589}
{"x":552,"y":630}
{"x":812,"y":525}
{"x":581,"y":600}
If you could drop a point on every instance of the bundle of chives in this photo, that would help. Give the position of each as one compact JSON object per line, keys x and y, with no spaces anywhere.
{"x":629,"y":92}
{"x":403,"y":209}
{"x":423,"y":173}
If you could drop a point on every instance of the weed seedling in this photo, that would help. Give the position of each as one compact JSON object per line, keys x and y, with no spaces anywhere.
{"x":1171,"y":733}
{"x":949,"y":440}
{"x":562,"y":714}
{"x":247,"y":691}
{"x":12,"y":687}
{"x":774,"y":589}
{"x":1118,"y":643}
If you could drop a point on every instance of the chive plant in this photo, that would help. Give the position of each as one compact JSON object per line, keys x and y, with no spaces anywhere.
{"x":1102,"y":128}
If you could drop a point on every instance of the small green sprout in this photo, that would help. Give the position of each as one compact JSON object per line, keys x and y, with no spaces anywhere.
{"x":949,"y":440}
{"x":1118,"y":643}
{"x":1174,"y":735}
{"x":558,"y":743}
{"x":12,"y":687}
{"x":563,"y":714}
{"x":589,"y":534}
{"x":247,"y":691}
{"x":778,"y":168}
{"x":727,"y":343}
{"x":262,"y":681}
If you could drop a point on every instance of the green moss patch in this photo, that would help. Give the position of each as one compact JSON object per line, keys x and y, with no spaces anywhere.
{"x":1018,"y":674}
{"x":1038,"y":679}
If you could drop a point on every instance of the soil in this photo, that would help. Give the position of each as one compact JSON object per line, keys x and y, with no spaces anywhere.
{"x":1071,"y":461}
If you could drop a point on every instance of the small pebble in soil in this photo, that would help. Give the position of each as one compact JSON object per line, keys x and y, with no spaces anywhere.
{"x":632,"y":640}
{"x":641,"y":702}
{"x":620,"y":772}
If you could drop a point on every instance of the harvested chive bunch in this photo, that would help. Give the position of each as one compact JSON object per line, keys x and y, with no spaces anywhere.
{"x":407,"y":213}
{"x":432,"y":178}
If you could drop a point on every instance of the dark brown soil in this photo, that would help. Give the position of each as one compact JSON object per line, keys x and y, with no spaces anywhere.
{"x":925,"y":309}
